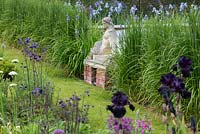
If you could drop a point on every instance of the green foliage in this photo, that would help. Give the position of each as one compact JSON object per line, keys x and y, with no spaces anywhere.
{"x":65,"y":29}
{"x":150,"y":48}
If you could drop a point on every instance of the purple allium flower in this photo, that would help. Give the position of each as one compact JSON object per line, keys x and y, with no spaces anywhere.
{"x":37,"y":91}
{"x":58,"y":131}
{"x":126,"y":125}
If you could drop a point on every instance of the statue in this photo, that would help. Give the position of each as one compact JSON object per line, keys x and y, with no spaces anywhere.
{"x":109,"y":41}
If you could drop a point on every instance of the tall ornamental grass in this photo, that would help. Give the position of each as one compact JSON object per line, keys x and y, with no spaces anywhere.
{"x":149,"y":48}
{"x":65,"y":28}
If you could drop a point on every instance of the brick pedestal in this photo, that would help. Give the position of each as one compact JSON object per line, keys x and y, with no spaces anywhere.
{"x":95,"y":76}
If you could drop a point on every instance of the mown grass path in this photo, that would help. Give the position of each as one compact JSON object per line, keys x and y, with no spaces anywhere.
{"x":99,"y":98}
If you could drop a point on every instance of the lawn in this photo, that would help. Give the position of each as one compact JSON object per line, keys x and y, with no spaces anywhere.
{"x":99,"y":98}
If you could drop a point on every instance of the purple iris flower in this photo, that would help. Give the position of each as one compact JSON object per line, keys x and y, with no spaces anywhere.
{"x":168,"y":79}
{"x":185,"y":65}
{"x":119,"y":100}
{"x":91,"y":11}
{"x":182,"y":6}
{"x":184,"y":62}
{"x":133,"y":10}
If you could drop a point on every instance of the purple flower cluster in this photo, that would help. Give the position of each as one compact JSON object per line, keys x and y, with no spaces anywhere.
{"x":58,"y":131}
{"x":29,"y":47}
{"x":126,"y":125}
{"x":143,"y":126}
{"x":119,"y":100}
{"x":171,"y":83}
{"x":37,"y":91}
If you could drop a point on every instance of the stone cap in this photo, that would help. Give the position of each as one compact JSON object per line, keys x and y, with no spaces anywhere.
{"x":117,"y":27}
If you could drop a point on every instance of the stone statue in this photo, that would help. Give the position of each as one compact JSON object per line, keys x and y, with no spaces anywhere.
{"x":109,"y":41}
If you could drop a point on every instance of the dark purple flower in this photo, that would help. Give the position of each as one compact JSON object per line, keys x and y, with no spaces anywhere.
{"x":37,"y":58}
{"x":185,"y":94}
{"x":33,"y":45}
{"x":58,"y":131}
{"x":75,"y":98}
{"x":178,"y":86}
{"x":37,"y":91}
{"x":184,"y":61}
{"x":120,"y":99}
{"x":185,"y":65}
{"x":186,"y":71}
{"x":168,"y":79}
{"x":62,"y":104}
{"x":118,"y":111}
{"x":193,"y":124}
{"x":27,"y":40}
{"x":165,"y":92}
